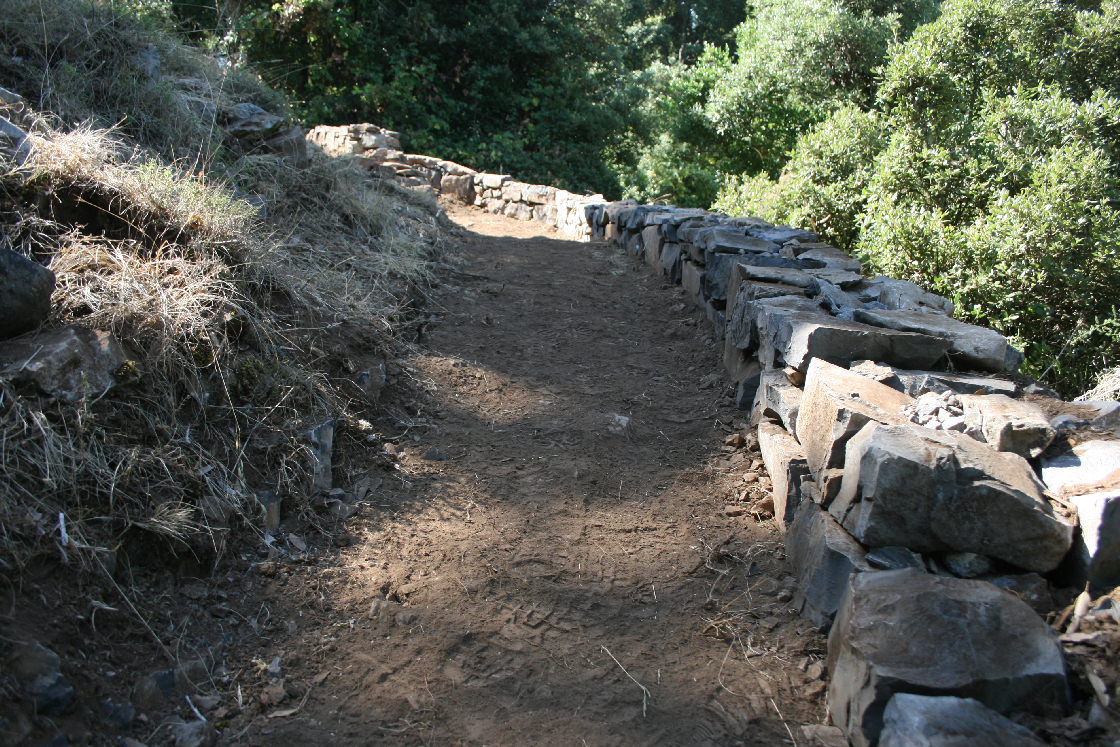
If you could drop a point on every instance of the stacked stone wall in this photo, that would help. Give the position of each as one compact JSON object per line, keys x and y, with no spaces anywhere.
{"x":379,"y":151}
{"x":924,"y":516}
{"x":924,"y":513}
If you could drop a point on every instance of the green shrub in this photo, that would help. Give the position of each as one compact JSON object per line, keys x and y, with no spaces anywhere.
{"x":823,"y":185}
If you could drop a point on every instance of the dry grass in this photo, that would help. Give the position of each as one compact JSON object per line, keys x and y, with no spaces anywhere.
{"x":87,"y":61}
{"x":161,"y":252}
{"x":1107,"y":388}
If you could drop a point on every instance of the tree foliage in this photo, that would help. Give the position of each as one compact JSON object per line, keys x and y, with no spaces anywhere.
{"x":993,"y":178}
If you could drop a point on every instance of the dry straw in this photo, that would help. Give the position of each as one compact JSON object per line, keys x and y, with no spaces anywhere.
{"x":143,"y":227}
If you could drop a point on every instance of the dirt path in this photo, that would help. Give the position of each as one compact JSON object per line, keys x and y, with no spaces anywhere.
{"x":539,"y":582}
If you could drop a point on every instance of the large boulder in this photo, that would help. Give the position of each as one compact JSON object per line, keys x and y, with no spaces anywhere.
{"x":835,"y":405}
{"x":945,"y":721}
{"x":823,"y":556}
{"x":912,"y":632}
{"x":940,"y":490}
{"x":25,"y":293}
{"x":71,"y":364}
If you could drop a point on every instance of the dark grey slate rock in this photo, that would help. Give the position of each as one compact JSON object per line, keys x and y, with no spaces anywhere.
{"x":945,"y":721}
{"x":782,"y":234}
{"x":717,"y":268}
{"x":904,"y":295}
{"x":894,"y":558}
{"x":940,"y":490}
{"x":905,"y":631}
{"x":725,"y":240}
{"x":51,"y":693}
{"x":777,"y":260}
{"x":824,"y":556}
{"x":794,"y":333}
{"x":970,"y":346}
{"x":831,"y":298}
{"x":917,"y":383}
{"x":832,"y":257}
{"x":671,"y":262}
{"x":25,"y":293}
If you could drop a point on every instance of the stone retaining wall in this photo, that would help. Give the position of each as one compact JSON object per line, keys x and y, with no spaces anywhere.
{"x":910,"y":475}
{"x":379,"y":150}
{"x":922,"y":517}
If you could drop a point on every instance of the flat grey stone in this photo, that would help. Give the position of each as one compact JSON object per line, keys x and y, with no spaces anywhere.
{"x":1008,"y":424}
{"x":725,"y":240}
{"x":835,"y":405}
{"x":945,"y":721}
{"x":782,"y":234}
{"x":894,"y":558}
{"x":842,"y":278}
{"x":906,"y":631}
{"x":970,"y":345}
{"x":823,"y":556}
{"x":785,"y":275}
{"x":777,"y":260}
{"x":794,"y":333}
{"x":785,"y":462}
{"x":832,"y":257}
{"x":917,"y":383}
{"x":904,"y":295}
{"x":1089,"y":467}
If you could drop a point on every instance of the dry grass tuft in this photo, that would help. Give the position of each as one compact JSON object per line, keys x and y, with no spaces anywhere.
{"x":186,"y":275}
{"x":1107,"y":388}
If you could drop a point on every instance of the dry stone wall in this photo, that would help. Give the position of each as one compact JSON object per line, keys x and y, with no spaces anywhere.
{"x":379,"y":151}
{"x":922,"y":516}
{"x":897,"y":436}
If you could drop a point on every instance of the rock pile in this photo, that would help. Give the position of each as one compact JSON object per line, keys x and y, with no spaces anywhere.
{"x":918,"y":513}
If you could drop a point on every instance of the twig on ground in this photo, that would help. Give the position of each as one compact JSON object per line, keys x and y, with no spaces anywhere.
{"x":783,"y":718}
{"x":645,"y":692}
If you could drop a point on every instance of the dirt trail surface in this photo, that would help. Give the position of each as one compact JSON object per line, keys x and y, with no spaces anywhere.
{"x":546,"y":571}
{"x":528,"y":566}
